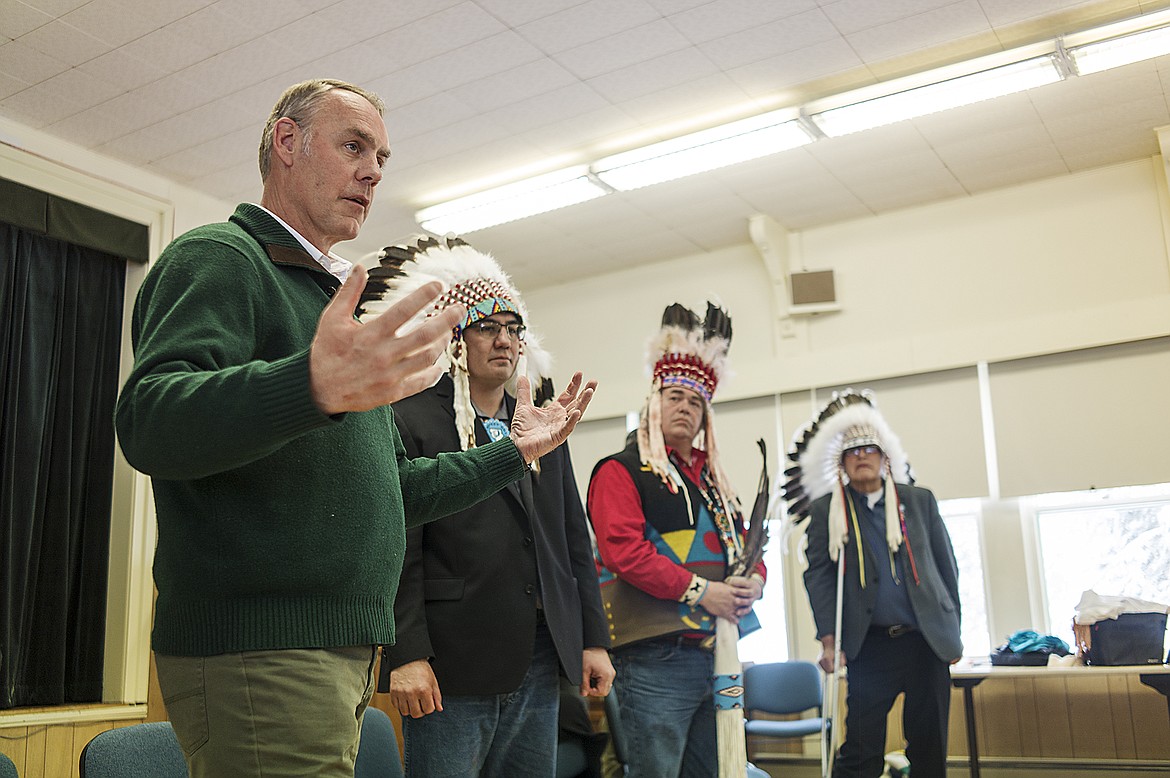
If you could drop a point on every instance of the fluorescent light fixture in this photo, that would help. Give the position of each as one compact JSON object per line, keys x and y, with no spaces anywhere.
{"x":699,"y":152}
{"x":951,"y":93}
{"x":962,"y":83}
{"x":510,"y":202}
{"x":1115,"y":52}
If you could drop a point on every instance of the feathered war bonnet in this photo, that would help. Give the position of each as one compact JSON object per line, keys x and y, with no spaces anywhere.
{"x":849,"y":420}
{"x":690,"y":353}
{"x":469,"y":277}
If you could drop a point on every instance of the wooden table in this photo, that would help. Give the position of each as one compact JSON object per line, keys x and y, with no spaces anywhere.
{"x":967,"y":677}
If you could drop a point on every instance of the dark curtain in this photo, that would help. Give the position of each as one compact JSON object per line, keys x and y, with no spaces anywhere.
{"x":60,"y":338}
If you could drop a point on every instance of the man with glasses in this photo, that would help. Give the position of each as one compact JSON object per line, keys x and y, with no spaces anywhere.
{"x":898,"y":612}
{"x":497,"y":601}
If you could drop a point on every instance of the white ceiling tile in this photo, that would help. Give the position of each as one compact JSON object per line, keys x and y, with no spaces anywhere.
{"x":10,"y":86}
{"x":235,"y":184}
{"x":481,"y":59}
{"x":173,"y":47}
{"x":995,"y":146}
{"x":857,"y":149}
{"x":422,"y":117}
{"x":913,"y":33}
{"x":675,"y":7}
{"x":792,"y":34}
{"x":560,"y":105}
{"x":621,"y":49}
{"x":433,"y":35}
{"x":442,"y":141}
{"x":503,"y":91}
{"x":100,"y":124}
{"x":242,"y":66}
{"x":264,"y":16}
{"x":27,"y":64}
{"x":590,"y":21}
{"x":517,"y":12}
{"x":714,"y":233}
{"x":850,"y":16}
{"x":117,"y":22}
{"x":63,"y":95}
{"x":721,"y":18}
{"x":20,"y":18}
{"x":774,"y":75}
{"x":404,"y":87}
{"x":122,"y":70}
{"x":664,"y":72}
{"x":588,"y":130}
{"x":1147,"y":112}
{"x":55,"y":8}
{"x":676,"y":104}
{"x":211,"y":156}
{"x":1006,"y":12}
{"x":347,"y":23}
{"x":64,"y":42}
{"x":1009,"y":170}
{"x":1108,"y":147}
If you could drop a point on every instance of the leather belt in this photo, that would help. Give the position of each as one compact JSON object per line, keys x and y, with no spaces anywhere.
{"x":686,"y":641}
{"x":892,"y":631}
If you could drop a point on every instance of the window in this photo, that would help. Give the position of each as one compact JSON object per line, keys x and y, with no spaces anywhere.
{"x":1113,"y":541}
{"x":962,"y":518}
{"x":770,"y":642}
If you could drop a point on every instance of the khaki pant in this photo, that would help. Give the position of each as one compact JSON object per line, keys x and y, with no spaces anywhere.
{"x":290,"y":712}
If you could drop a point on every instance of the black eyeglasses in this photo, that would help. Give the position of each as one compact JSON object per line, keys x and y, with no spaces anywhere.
{"x":492,"y":329}
{"x":862,"y":451}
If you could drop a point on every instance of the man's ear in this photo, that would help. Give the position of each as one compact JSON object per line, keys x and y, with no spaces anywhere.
{"x":286,"y":136}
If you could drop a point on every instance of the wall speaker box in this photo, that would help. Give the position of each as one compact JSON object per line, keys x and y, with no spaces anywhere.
{"x":813,"y":288}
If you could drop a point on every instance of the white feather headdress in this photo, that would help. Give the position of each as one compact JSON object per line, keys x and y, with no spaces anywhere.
{"x":471,"y":278}
{"x":850,"y":419}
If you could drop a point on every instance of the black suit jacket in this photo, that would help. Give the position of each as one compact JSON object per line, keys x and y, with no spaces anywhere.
{"x":470,"y":582}
{"x":935,"y":598}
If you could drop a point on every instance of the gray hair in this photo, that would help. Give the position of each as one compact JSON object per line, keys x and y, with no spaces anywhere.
{"x":300,"y":103}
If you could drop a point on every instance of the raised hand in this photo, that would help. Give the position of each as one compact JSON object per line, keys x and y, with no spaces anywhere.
{"x":356,"y":367}
{"x":537,"y":431}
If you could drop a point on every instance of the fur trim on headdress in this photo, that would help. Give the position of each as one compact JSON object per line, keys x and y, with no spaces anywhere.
{"x":469,"y":277}
{"x":691,"y":353}
{"x":850,"y":419}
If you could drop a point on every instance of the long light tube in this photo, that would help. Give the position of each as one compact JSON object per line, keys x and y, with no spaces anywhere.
{"x":503,"y":204}
{"x":952,"y":93}
{"x":1115,"y":52}
{"x":699,"y":152}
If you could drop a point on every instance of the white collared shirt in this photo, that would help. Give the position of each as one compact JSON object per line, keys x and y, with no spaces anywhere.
{"x":331,"y":262}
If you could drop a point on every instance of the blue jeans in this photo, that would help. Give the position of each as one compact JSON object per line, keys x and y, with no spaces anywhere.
{"x":510,"y":735}
{"x":667,"y":711}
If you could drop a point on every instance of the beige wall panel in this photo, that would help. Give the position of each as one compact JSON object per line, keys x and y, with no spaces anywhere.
{"x":1122,"y":716}
{"x":1051,"y":701}
{"x":938,"y":419}
{"x":1082,"y":420}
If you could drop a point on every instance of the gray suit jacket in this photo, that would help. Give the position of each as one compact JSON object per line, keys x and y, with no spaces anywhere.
{"x":935,"y":598}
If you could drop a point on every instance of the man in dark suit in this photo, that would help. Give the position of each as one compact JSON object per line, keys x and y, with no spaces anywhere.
{"x":900,"y":601}
{"x":497,"y":601}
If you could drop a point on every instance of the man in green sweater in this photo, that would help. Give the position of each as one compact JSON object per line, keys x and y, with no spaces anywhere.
{"x":260,"y":408}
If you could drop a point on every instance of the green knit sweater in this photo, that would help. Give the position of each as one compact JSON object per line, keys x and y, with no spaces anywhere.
{"x":279,"y":526}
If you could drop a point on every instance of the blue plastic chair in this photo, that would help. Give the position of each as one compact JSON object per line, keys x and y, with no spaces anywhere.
{"x":782,"y":688}
{"x":149,"y":749}
{"x":377,"y":755}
